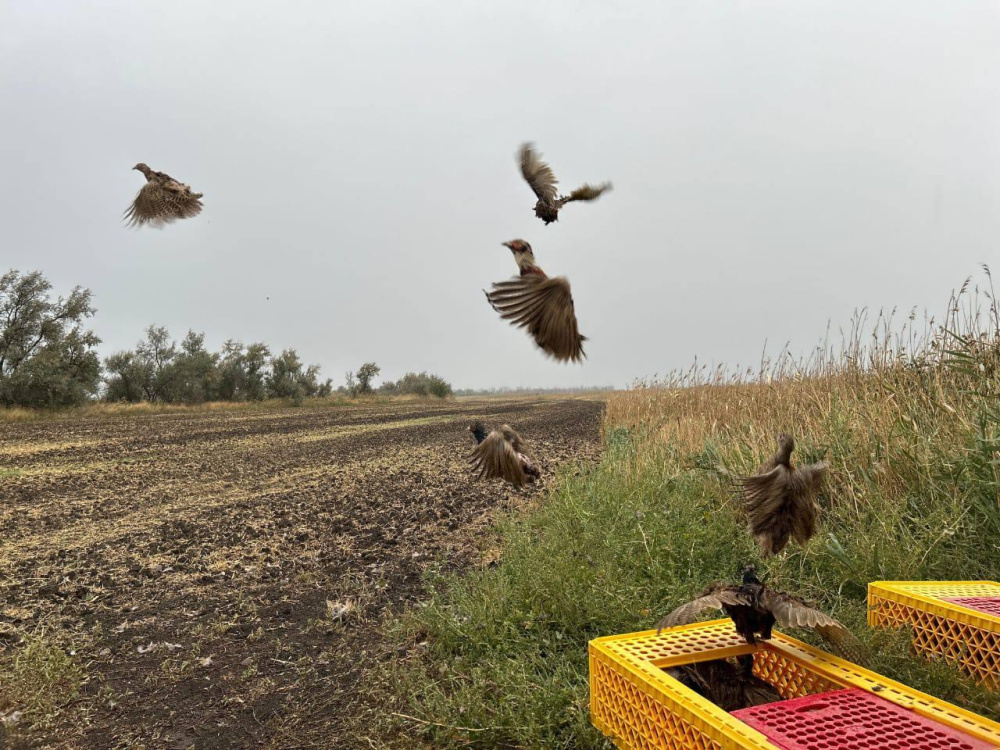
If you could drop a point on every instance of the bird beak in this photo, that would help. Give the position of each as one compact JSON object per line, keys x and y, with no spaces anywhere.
{"x":508,"y":244}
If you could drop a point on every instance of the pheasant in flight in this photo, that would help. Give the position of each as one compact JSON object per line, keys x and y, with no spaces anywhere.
{"x":754,"y":609}
{"x":780,"y":499}
{"x":500,"y":454}
{"x":161,"y":200}
{"x":542,"y":305}
{"x":542,"y":180}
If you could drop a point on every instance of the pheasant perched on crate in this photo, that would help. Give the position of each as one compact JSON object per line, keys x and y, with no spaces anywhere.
{"x":501,"y":454}
{"x":542,"y":181}
{"x":542,"y":305}
{"x":780,"y":499}
{"x":161,"y":200}
{"x":754,"y":609}
{"x":729,"y":686}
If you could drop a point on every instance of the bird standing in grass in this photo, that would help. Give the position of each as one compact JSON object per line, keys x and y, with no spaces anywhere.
{"x":542,"y":305}
{"x":161,"y":200}
{"x":754,"y":609}
{"x":500,"y":454}
{"x":729,"y":686}
{"x":542,"y":181}
{"x":780,"y":500}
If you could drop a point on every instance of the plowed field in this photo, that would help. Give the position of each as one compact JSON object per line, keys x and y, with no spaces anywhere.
{"x":217,"y":579}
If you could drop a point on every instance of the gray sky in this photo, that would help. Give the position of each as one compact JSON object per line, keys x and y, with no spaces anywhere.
{"x":776,"y":165}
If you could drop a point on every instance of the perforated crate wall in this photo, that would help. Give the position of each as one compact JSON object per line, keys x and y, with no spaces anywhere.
{"x":640,"y":707}
{"x":950,"y":619}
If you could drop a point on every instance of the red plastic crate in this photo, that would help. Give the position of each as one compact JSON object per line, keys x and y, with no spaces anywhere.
{"x":851,"y":719}
{"x":988,"y":604}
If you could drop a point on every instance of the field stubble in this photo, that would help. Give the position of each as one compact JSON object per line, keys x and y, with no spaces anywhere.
{"x":216,"y":579}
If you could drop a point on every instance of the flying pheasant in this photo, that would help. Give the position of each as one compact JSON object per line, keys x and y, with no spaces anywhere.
{"x":501,"y":454}
{"x":727,"y":685}
{"x":780,"y":499}
{"x":161,"y":200}
{"x":542,"y":181}
{"x":754,"y":609}
{"x":542,"y":305}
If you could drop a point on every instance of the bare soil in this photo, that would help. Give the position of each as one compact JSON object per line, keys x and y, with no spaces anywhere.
{"x":217,"y":579}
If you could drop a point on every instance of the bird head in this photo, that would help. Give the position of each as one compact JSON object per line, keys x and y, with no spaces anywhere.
{"x":523,"y":254}
{"x":478,"y":430}
{"x":143,"y":168}
{"x":749,"y":574}
{"x":786,"y":444}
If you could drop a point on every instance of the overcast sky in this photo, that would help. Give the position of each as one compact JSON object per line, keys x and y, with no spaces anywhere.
{"x":776,"y":165}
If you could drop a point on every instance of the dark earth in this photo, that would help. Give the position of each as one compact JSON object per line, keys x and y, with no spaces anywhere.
{"x":220,"y":578}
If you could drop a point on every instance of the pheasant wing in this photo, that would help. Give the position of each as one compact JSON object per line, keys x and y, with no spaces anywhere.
{"x":792,"y":612}
{"x":157,"y":205}
{"x":714,"y":597}
{"x":496,"y":458}
{"x":586,"y":193}
{"x":513,"y":438}
{"x":537,"y":174}
{"x":764,"y":499}
{"x":545,"y":308}
{"x":805,"y":483}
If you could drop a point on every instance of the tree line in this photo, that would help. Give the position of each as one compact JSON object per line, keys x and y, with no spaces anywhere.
{"x":48,"y":358}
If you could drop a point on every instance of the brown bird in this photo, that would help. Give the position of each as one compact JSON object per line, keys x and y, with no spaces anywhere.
{"x":780,"y":500}
{"x":501,"y":454}
{"x":754,"y":609}
{"x":542,"y":181}
{"x":542,"y":305}
{"x":161,"y":200}
{"x":727,"y":685}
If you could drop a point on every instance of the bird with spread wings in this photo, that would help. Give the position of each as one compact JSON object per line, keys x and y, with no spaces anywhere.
{"x":754,"y":609}
{"x":501,"y":454}
{"x":542,"y":181}
{"x":161,"y":200}
{"x":542,"y":305}
{"x":780,"y":499}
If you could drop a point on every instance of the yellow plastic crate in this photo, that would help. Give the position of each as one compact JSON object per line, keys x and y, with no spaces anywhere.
{"x":960,"y":634}
{"x":639,"y":706}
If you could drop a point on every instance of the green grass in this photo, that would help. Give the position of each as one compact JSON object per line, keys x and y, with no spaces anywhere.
{"x":611,"y":552}
{"x":40,"y":679}
{"x":913,"y":494}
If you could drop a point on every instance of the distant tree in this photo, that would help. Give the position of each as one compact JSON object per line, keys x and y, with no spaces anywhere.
{"x":196,"y":377}
{"x":289,"y":380}
{"x":350,"y":386}
{"x":46,"y":357}
{"x":158,"y":352}
{"x":366,"y":374}
{"x":127,"y":376}
{"x":161,"y":370}
{"x":241,"y":371}
{"x":419,"y":384}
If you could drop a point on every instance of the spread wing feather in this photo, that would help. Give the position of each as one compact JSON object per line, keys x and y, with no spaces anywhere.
{"x":513,"y":438}
{"x":495,"y":457}
{"x":792,"y":612}
{"x":714,"y":597}
{"x":586,"y":193}
{"x":158,"y":204}
{"x":764,"y":499}
{"x":545,"y":308}
{"x":538,"y":174}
